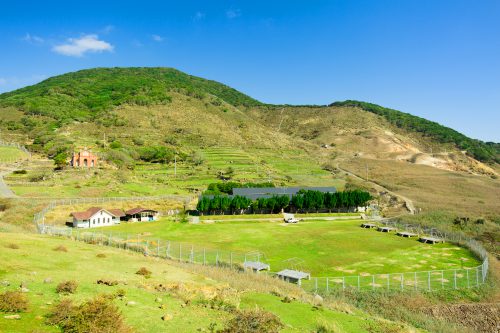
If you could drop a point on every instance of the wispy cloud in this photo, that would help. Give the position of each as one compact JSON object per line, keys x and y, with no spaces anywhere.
{"x":198,"y":16}
{"x":77,"y":47}
{"x":107,"y":29}
{"x":33,"y":39}
{"x":233,"y":13}
{"x":157,"y":38}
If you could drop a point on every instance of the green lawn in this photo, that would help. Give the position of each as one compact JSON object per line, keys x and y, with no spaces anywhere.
{"x":11,"y":154}
{"x":327,"y":248}
{"x":34,"y":260}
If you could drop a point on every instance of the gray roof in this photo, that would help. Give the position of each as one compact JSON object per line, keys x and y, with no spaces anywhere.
{"x":290,"y":273}
{"x":257,"y":265}
{"x":266,"y":192}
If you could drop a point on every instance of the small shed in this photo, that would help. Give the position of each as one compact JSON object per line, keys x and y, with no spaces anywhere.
{"x":430,"y":239}
{"x":293,"y":276}
{"x":140,"y":214}
{"x":256,"y":266}
{"x":386,"y":229}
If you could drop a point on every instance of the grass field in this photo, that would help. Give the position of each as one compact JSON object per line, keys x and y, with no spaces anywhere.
{"x":11,"y":154}
{"x":31,"y":259}
{"x":327,"y":248}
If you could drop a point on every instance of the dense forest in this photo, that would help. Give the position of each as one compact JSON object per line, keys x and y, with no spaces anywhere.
{"x":482,"y":151}
{"x":303,"y":201}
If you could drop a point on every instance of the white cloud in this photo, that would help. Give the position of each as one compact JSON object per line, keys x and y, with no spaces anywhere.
{"x":233,"y":13}
{"x":157,"y":38}
{"x":198,"y":16}
{"x":33,"y":39}
{"x":77,"y":47}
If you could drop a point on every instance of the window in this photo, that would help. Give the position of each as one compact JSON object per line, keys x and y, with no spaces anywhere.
{"x":99,"y":220}
{"x":93,"y":221}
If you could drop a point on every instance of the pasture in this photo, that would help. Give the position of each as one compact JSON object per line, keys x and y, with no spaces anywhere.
{"x":326,"y":248}
{"x":11,"y":154}
{"x":41,"y":263}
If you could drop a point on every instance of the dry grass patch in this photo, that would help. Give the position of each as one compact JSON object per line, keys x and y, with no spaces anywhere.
{"x":144,"y":272}
{"x":12,"y":246}
{"x":96,"y":315}
{"x":101,"y":255}
{"x":13,"y":301}
{"x":253,"y":321}
{"x":67,"y":287}
{"x":60,"y":248}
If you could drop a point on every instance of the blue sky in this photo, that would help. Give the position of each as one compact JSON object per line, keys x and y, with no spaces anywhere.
{"x":437,"y":59}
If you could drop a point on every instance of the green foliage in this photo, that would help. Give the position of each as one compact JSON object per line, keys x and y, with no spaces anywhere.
{"x":121,"y":158}
{"x":304,"y":200}
{"x":227,"y":187}
{"x":115,"y":145}
{"x":482,"y":151}
{"x":84,"y":94}
{"x":60,"y":159}
{"x":156,"y":154}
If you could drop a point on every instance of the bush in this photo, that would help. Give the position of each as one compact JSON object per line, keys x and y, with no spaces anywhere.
{"x":67,"y":287}
{"x":115,"y":145}
{"x":95,"y":315}
{"x":60,"y":248}
{"x":101,"y":255}
{"x":12,"y":246}
{"x":20,"y":172}
{"x":144,"y":271}
{"x":13,"y":301}
{"x":253,"y":321}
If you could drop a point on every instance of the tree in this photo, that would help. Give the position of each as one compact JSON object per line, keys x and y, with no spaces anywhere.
{"x":60,"y":160}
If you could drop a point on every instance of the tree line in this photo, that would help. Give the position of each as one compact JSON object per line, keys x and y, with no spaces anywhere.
{"x":304,"y":201}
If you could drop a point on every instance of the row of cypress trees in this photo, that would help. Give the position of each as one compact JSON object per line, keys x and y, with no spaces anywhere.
{"x":303,"y":201}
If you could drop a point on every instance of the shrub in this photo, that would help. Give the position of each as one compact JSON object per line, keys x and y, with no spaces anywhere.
{"x":20,"y":172}
{"x":253,"y":321}
{"x":67,"y":287}
{"x":13,"y":301}
{"x":101,"y":255}
{"x":96,"y":315}
{"x":115,"y":145}
{"x":144,"y":271}
{"x":60,"y":248}
{"x":12,"y":246}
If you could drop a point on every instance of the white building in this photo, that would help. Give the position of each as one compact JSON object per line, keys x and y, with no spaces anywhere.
{"x":96,"y":217}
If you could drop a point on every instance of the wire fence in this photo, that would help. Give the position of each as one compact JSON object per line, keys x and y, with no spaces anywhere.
{"x":409,"y":281}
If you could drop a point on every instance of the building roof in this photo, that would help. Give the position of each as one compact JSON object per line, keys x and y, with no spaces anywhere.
{"x":266,"y":192}
{"x":256,"y":265}
{"x":85,"y":215}
{"x":138,"y":210}
{"x":290,"y":273}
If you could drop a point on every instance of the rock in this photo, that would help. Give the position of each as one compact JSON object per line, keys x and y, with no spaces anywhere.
{"x":5,"y":283}
{"x":167,"y":317}
{"x":47,"y":280}
{"x":24,"y":290}
{"x":183,"y":305}
{"x":318,"y":300}
{"x":16,"y":316}
{"x":158,"y":300}
{"x":131,"y":303}
{"x":23,"y":285}
{"x":163,"y":306}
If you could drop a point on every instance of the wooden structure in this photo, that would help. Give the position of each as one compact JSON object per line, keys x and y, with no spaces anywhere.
{"x":407,"y":234}
{"x":386,"y":229}
{"x":256,"y":266}
{"x":430,"y":240}
{"x":140,"y":214}
{"x":84,"y":159}
{"x":368,"y":225}
{"x":293,"y":276}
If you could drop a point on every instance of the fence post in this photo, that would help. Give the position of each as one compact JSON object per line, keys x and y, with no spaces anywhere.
{"x":468,"y":283}
{"x":373,"y":282}
{"x":327,"y":285}
{"x":217,"y":259}
{"x":316,"y":285}
{"x":388,"y":281}
{"x":359,"y":286}
{"x":402,"y":281}
{"x":343,"y":282}
{"x":416,"y":283}
{"x":455,"y":278}
{"x":429,"y":280}
{"x":477,"y":276}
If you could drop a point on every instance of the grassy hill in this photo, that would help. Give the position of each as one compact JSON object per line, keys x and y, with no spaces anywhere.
{"x":192,"y":300}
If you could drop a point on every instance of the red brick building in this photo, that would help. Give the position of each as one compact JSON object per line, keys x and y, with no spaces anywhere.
{"x":83,"y":158}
